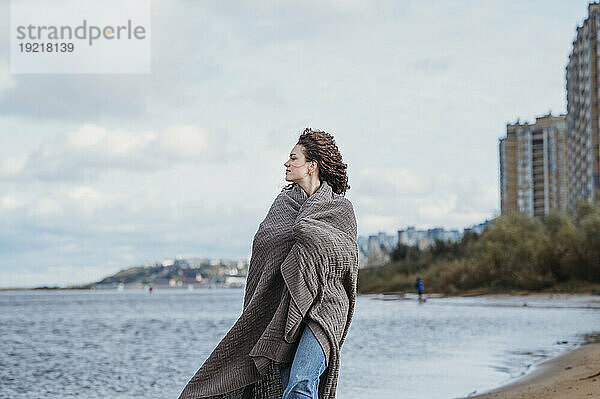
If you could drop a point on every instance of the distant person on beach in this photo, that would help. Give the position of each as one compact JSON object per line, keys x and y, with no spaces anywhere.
{"x":420,"y":287}
{"x":300,"y":290}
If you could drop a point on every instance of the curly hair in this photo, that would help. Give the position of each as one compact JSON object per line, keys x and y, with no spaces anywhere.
{"x":320,"y":146}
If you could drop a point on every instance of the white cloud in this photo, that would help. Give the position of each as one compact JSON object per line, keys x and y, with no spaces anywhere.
{"x":437,"y":208}
{"x":9,"y":202}
{"x":86,"y":193}
{"x":392,"y":181}
{"x":446,"y":200}
{"x":89,"y":200}
{"x":375,"y":223}
{"x":12,"y":165}
{"x":7,"y":80}
{"x":86,"y":136}
{"x":183,"y":140}
{"x":92,"y":150}
{"x":47,"y":208}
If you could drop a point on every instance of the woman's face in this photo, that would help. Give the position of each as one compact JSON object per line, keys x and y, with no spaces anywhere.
{"x":296,"y":167}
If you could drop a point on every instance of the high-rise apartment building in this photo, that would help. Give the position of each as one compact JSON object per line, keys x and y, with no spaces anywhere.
{"x":582,"y":111}
{"x":533,"y":166}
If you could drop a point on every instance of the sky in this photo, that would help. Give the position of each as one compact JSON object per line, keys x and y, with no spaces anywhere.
{"x":99,"y":172}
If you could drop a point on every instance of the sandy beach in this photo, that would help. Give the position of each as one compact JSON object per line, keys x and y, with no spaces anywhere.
{"x":572,"y":375}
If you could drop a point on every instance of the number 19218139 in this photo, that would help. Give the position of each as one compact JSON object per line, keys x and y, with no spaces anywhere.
{"x":46,"y":47}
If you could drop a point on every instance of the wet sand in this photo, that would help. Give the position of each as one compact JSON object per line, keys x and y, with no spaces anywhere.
{"x":572,"y":375}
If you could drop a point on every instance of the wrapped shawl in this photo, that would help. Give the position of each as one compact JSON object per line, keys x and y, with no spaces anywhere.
{"x":303,"y":269}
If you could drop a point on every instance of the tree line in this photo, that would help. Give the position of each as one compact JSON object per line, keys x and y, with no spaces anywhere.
{"x":515,"y":252}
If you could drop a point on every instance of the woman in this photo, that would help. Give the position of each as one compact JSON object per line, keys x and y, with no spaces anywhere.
{"x":300,"y":290}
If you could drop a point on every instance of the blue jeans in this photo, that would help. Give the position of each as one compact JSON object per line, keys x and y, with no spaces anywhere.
{"x":300,"y":380}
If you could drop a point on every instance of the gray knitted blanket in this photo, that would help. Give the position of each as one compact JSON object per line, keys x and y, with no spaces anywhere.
{"x":303,"y":269}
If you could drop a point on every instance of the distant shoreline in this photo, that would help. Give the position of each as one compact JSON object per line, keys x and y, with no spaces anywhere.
{"x":41,"y":288}
{"x":131,"y":288}
{"x":578,"y":291}
{"x":484,"y":293}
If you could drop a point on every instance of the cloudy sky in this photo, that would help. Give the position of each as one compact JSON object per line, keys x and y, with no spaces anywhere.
{"x":101,"y":172}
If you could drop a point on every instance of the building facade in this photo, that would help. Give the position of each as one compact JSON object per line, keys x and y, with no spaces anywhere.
{"x":533,"y":166}
{"x":582,"y":111}
{"x":425,"y":238}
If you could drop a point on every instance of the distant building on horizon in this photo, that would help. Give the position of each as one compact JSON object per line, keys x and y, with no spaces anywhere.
{"x":533,"y":166}
{"x":439,"y":233}
{"x":583,"y":139}
{"x":479,"y":228}
{"x":425,"y":238}
{"x":376,"y":249}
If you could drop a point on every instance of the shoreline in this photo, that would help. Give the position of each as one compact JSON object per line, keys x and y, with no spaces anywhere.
{"x":570,"y":375}
{"x":399,"y":294}
{"x":485,"y":294}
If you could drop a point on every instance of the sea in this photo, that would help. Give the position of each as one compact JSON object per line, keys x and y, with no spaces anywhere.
{"x":137,"y":344}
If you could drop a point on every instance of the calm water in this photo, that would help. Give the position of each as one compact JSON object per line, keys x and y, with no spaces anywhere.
{"x":132,"y":344}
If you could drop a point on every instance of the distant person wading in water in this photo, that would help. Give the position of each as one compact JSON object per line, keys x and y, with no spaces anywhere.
{"x":420,"y":287}
{"x":300,"y":290}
